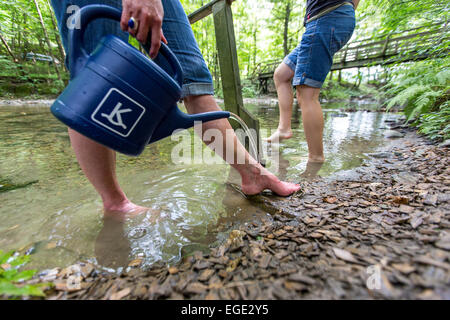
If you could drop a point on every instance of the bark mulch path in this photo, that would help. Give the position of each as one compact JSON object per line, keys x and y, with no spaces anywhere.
{"x":380,"y":231}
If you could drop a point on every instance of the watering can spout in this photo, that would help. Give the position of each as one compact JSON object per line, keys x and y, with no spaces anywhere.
{"x":176,"y":119}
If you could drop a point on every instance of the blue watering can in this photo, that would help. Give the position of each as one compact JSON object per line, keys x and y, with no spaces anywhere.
{"x":119,"y":97}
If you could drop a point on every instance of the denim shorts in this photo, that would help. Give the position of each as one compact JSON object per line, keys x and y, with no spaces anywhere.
{"x":313,"y":58}
{"x":177,"y":30}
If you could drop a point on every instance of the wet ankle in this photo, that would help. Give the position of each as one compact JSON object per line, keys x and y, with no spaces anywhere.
{"x":284,"y":131}
{"x":250,"y":170}
{"x":316,"y":159}
{"x":115,"y":205}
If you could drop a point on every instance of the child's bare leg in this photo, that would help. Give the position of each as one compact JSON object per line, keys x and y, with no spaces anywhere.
{"x":283,"y":82}
{"x":312,"y":117}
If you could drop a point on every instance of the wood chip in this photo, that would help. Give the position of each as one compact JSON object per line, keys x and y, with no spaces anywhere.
{"x":344,"y":255}
{"x":120,"y":294}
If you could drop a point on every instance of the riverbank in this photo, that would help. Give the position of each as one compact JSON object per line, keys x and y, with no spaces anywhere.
{"x":380,"y":231}
{"x":26,"y":102}
{"x":260,"y":100}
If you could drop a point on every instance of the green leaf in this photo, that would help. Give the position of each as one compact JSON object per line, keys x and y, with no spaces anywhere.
{"x":9,"y":289}
{"x":5,"y":256}
{"x":23,"y":275}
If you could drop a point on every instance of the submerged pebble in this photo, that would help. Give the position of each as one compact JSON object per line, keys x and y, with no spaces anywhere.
{"x":392,"y":134}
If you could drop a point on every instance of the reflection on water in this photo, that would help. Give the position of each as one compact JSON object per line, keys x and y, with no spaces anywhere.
{"x":58,"y":217}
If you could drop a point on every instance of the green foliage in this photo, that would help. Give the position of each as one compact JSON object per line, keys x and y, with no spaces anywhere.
{"x":11,"y":278}
{"x":249,"y":89}
{"x":436,"y":125}
{"x":285,"y":21}
{"x":419,"y":86}
{"x":21,"y":29}
{"x":407,"y":14}
{"x":8,"y":67}
{"x":423,"y":89}
{"x":333,"y":90}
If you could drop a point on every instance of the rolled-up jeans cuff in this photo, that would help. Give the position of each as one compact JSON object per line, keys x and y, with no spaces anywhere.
{"x":306,"y":81}
{"x":290,"y":64}
{"x":197,"y":89}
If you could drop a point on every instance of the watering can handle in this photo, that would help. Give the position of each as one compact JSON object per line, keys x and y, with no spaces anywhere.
{"x":78,"y":55}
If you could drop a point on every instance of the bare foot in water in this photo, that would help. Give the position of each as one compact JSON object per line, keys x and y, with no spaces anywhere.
{"x":312,"y":168}
{"x":258,"y":179}
{"x":279,"y":135}
{"x":126,"y":209}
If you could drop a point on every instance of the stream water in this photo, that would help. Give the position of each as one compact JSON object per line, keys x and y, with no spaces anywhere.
{"x":56,"y":214}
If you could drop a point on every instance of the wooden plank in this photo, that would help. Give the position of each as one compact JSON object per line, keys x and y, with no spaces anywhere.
{"x":228,"y":61}
{"x":202,"y":12}
{"x":226,"y":48}
{"x":381,"y":61}
{"x":383,"y":36}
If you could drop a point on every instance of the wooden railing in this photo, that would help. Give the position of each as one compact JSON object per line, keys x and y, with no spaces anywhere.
{"x":393,"y":49}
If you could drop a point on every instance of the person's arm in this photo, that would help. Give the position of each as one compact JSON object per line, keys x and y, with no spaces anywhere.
{"x":356,"y":2}
{"x":149,"y":16}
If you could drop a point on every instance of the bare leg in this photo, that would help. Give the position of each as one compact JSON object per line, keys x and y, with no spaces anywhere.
{"x":312,"y":117}
{"x":255,"y":178}
{"x":283,"y":82}
{"x":99,"y":165}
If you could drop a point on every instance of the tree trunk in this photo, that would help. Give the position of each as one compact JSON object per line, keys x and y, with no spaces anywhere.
{"x":47,"y":39}
{"x":359,"y":78}
{"x":287,"y":19}
{"x":255,"y":43}
{"x":8,"y":49}
{"x":62,"y":54}
{"x":18,"y":43}
{"x":14,"y":30}
{"x":26,"y":44}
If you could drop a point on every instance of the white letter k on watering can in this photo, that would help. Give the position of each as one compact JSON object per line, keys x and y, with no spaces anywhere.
{"x":118,"y":114}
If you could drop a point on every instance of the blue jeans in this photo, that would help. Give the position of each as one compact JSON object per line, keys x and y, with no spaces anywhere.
{"x":177,"y":30}
{"x":313,"y":58}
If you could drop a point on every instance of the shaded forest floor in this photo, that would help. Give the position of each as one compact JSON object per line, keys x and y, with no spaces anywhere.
{"x":380,"y":231}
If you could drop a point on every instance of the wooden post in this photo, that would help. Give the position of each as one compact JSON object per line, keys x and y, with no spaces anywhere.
{"x":229,"y":67}
{"x":359,"y":78}
{"x":344,"y":56}
{"x":383,"y":53}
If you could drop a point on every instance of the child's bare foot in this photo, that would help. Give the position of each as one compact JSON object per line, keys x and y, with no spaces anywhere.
{"x":256,"y":179}
{"x":312,"y":168}
{"x":279,"y":135}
